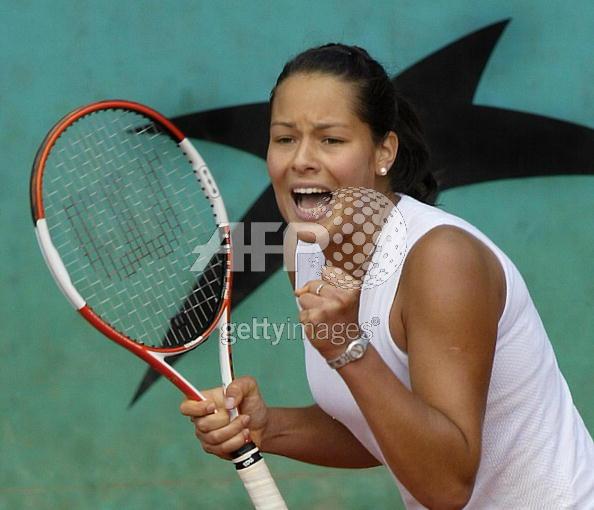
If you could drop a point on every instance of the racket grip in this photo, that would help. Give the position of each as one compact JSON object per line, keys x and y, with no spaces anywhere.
{"x":256,"y":478}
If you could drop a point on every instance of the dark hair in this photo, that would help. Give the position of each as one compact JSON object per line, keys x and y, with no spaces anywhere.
{"x":379,"y":106}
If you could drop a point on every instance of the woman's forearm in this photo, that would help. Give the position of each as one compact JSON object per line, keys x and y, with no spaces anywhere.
{"x":423,"y":448}
{"x":309,"y":435}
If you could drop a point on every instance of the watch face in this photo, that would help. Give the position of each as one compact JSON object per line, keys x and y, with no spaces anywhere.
{"x":357,"y":351}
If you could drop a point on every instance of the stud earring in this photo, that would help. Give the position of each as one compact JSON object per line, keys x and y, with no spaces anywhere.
{"x":383,"y":170}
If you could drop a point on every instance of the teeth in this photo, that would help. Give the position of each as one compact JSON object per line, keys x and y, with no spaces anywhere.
{"x":309,"y":191}
{"x":311,"y":206}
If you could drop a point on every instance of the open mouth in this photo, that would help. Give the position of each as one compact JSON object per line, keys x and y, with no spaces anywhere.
{"x":311,"y":202}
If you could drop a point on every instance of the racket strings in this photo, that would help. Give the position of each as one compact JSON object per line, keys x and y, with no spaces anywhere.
{"x":131,"y":230}
{"x":125,"y":213}
{"x":201,"y":305}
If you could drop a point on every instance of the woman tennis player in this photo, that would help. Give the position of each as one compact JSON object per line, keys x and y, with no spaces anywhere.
{"x":454,"y":387}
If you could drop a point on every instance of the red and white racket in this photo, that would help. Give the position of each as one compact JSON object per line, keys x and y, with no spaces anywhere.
{"x":120,"y":201}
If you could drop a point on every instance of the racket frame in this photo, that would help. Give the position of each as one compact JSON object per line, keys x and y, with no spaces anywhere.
{"x":154,"y":356}
{"x":248,"y":461}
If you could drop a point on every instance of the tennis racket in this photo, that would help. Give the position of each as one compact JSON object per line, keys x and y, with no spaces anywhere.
{"x":120,"y":200}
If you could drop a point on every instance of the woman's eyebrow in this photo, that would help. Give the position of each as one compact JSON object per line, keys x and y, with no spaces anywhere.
{"x":327,"y":125}
{"x":319,"y":126}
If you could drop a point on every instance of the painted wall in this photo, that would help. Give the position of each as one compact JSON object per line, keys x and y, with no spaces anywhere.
{"x":67,"y":436}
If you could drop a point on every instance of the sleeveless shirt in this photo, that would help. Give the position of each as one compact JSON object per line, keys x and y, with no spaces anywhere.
{"x":536,"y":451}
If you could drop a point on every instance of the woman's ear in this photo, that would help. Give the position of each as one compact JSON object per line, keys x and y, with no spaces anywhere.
{"x":386,"y":153}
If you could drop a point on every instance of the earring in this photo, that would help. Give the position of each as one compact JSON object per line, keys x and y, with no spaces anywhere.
{"x":383,"y":170}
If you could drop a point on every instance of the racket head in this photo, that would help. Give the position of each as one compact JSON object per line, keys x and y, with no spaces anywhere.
{"x":120,"y":200}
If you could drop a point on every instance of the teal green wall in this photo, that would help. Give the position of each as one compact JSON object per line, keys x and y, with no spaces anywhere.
{"x":67,"y":439}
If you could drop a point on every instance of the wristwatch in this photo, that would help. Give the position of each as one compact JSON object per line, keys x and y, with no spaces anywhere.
{"x":354,"y":351}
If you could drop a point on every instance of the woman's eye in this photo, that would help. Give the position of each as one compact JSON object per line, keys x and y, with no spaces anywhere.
{"x":331,"y":141}
{"x":284,"y":139}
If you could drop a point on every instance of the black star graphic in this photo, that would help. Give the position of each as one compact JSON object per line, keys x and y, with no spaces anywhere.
{"x":469,"y":143}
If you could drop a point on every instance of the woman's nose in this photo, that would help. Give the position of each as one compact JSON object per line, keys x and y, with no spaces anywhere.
{"x":304,"y":158}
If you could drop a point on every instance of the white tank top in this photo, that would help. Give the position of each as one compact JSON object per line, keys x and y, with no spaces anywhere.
{"x":536,"y":450}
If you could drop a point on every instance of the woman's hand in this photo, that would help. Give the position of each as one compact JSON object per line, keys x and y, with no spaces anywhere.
{"x":217,"y":433}
{"x":352,"y":223}
{"x":329,"y":314}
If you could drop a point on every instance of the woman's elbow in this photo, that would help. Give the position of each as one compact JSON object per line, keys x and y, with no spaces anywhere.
{"x":454,"y":497}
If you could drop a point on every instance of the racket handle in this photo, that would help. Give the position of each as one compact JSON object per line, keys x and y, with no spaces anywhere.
{"x":256,"y":478}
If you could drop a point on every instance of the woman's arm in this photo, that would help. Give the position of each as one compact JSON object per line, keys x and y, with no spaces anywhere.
{"x":451,"y":293}
{"x":308,"y":434}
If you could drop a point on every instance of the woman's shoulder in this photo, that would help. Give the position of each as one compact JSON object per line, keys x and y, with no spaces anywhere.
{"x":447,"y":264}
{"x":450,"y":246}
{"x":431,"y":229}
